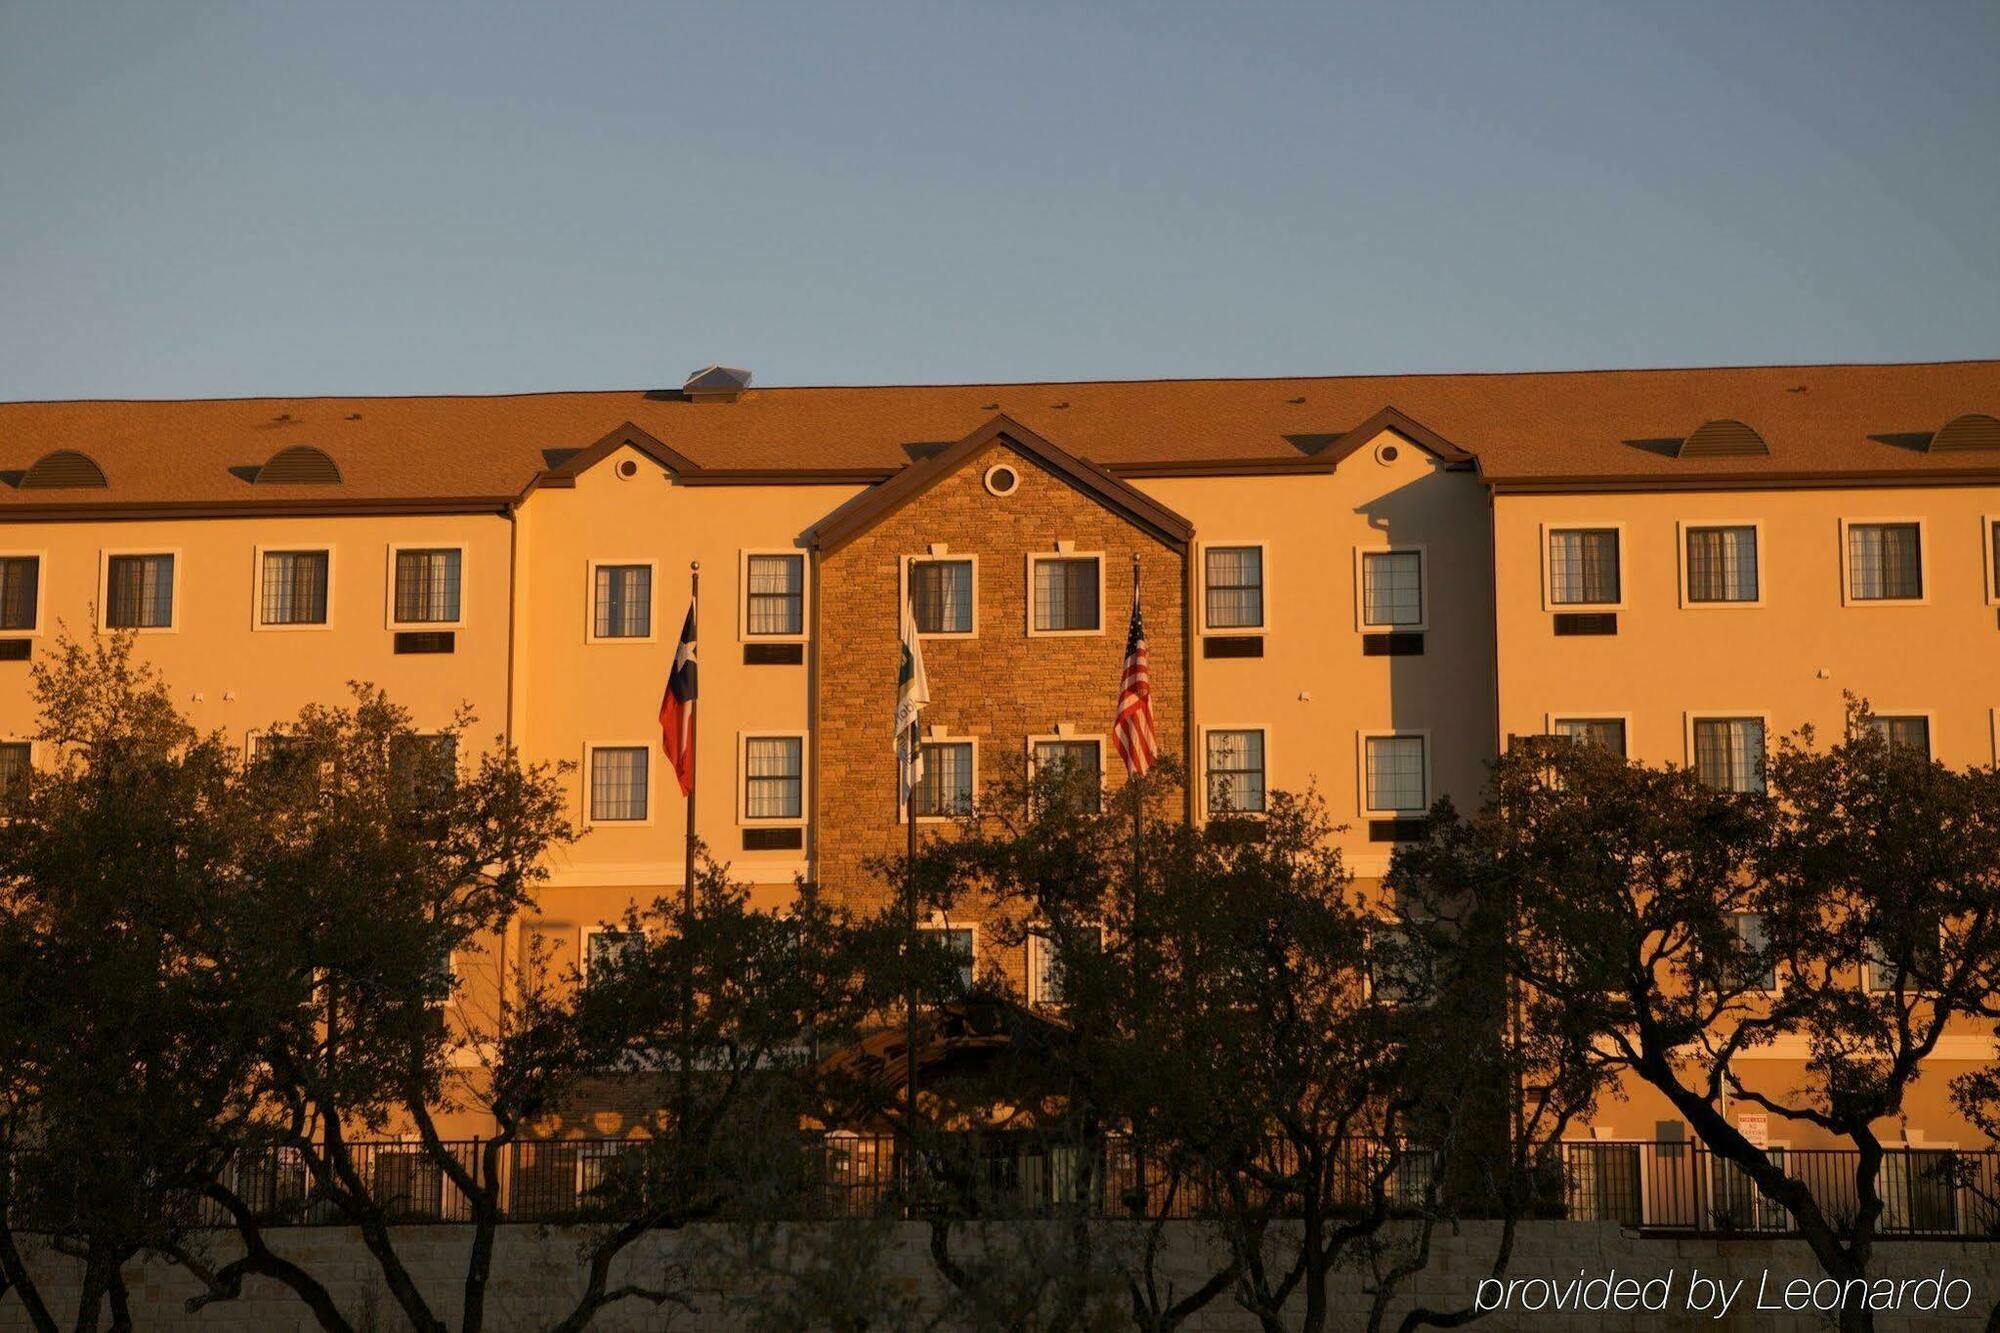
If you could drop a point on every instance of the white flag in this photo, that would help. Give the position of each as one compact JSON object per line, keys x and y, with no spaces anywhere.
{"x":913,"y":691}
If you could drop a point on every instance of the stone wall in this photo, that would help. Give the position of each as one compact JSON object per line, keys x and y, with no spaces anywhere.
{"x":735,"y":1282}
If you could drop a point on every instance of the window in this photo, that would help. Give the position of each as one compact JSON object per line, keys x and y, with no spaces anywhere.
{"x":1884,"y":562}
{"x":294,"y":586}
{"x":1392,"y":588}
{"x":1081,"y":762}
{"x":604,"y":948}
{"x":422,"y":767}
{"x":1235,"y":772}
{"x":1729,"y":752}
{"x":1924,"y":970}
{"x":1914,"y":732}
{"x":945,"y":789}
{"x":622,"y":602}
{"x":1722,"y":564}
{"x":1608,"y":732}
{"x":1234,"y":580}
{"x":1395,"y":777}
{"x":1066,"y":594}
{"x":1993,"y":556}
{"x":1583,"y":567}
{"x":20,"y":592}
{"x":618,"y":783}
{"x":958,"y":941}
{"x":139,"y":592}
{"x":775,"y":595}
{"x":941,"y":595}
{"x":1398,"y":971}
{"x":1045,"y":962}
{"x":1759,"y":970}
{"x":427,"y":586}
{"x":773,"y":780}
{"x":14,"y":769}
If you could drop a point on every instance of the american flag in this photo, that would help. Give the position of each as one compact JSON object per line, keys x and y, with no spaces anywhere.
{"x":1133,"y":731}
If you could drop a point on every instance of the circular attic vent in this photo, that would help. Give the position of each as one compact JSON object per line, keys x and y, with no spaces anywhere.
{"x":62,"y":470}
{"x":1002,"y":479}
{"x":300,"y":465}
{"x":1722,"y":439}
{"x":1974,"y":430}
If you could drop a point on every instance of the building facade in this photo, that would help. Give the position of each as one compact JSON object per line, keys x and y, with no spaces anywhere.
{"x":1359,"y":585}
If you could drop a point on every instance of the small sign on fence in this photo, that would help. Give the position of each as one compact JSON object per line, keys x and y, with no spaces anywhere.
{"x":1756,"y":1127}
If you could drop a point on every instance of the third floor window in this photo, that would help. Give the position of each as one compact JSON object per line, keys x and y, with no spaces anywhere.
{"x":1884,"y":562}
{"x":428,"y":585}
{"x":1234,"y":576}
{"x":1722,"y":564}
{"x":139,"y":592}
{"x":1392,"y":588}
{"x":1066,"y":594}
{"x":1583,"y":567}
{"x":775,"y":595}
{"x":293,"y":590}
{"x":20,"y":591}
{"x":622,"y":602}
{"x":941,"y":595}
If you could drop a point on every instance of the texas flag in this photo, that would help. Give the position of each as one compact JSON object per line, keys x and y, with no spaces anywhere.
{"x":677,"y":709}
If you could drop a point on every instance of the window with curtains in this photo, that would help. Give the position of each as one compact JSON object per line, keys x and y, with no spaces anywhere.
{"x":1075,"y":763}
{"x":20,"y":591}
{"x":1066,"y":594}
{"x":1911,"y":732}
{"x":1884,"y":562}
{"x":139,"y":592}
{"x":1722,"y":564}
{"x":294,"y":588}
{"x":945,"y":790}
{"x":1395,"y":778}
{"x":1729,"y":752}
{"x":1046,"y":961}
{"x":941,"y":595}
{"x":775,"y":595}
{"x":13,"y":768}
{"x":1608,"y":732}
{"x":427,"y":586}
{"x":622,"y":602}
{"x":1392,"y":588}
{"x":957,"y":941}
{"x":773,"y":777}
{"x":1993,"y":535}
{"x":1235,"y":768}
{"x":618,"y":783}
{"x":1583,"y":567}
{"x":1233,"y":584}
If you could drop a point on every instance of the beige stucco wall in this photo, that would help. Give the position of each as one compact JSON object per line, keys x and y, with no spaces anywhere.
{"x":1313,"y":690}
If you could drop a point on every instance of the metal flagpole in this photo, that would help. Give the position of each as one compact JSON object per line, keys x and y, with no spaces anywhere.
{"x":910,"y":981}
{"x":694,"y":721}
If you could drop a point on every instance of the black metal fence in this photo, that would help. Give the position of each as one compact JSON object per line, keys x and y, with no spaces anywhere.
{"x":1657,"y":1186}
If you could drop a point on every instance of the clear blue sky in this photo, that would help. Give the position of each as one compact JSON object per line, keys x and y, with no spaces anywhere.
{"x":209,"y":199}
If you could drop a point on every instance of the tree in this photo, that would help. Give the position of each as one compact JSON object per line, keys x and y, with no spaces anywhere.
{"x":1644,"y":917}
{"x":125,"y":1061}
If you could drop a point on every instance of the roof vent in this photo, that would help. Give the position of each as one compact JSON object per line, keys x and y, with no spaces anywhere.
{"x":1974,"y":430}
{"x":716,"y":384}
{"x":62,"y":470}
{"x":300,"y":465}
{"x":1721,"y":439}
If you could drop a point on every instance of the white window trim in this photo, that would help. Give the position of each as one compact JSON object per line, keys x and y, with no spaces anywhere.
{"x":939,"y":736}
{"x":1924,"y":571}
{"x":1549,"y":603}
{"x":1987,"y":523}
{"x":1202,"y":796}
{"x":939,"y":553}
{"x":173,"y":625}
{"x":1263,"y":549}
{"x":590,"y":634}
{"x":1361,"y":739}
{"x":41,"y":559}
{"x":1039,"y":945}
{"x":1681,"y":530}
{"x":653,"y":772}
{"x":34,"y":754}
{"x":743,"y":633}
{"x":258,"y":553}
{"x":939,"y":923}
{"x":1037,"y":557}
{"x":743,"y":739}
{"x":1929,"y":715}
{"x":1071,"y":735}
{"x":1550,"y":719}
{"x":464,"y":583}
{"x":1694,"y":715}
{"x":1422,"y":551}
{"x":584,"y":936}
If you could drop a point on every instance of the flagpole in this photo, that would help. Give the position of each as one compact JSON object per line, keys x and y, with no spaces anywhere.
{"x":910,"y":981}
{"x":694,"y":721}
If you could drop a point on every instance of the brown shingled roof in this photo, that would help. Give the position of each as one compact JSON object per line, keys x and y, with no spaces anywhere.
{"x":1524,"y":429}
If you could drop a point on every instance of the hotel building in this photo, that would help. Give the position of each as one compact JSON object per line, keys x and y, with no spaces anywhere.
{"x":1357,"y":584}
